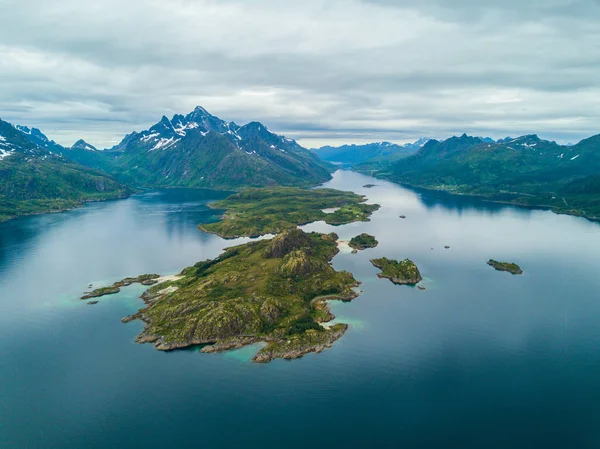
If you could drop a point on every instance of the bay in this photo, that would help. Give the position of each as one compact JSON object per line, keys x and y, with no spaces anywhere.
{"x":478,"y":359}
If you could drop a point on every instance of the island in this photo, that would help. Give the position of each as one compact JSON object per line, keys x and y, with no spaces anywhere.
{"x":271,"y":291}
{"x":512,"y":268}
{"x":144,"y":279}
{"x":363,"y":241}
{"x":256,"y":212}
{"x":369,"y":186}
{"x":401,"y":273}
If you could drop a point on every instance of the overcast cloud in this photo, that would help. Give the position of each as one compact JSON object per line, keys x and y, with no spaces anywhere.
{"x":321,"y":71}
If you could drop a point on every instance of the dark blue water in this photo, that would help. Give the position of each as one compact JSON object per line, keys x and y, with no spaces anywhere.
{"x":481,"y":359}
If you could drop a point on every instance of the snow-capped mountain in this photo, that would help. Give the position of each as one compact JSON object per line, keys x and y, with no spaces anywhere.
{"x":357,"y":154}
{"x":37,"y":137}
{"x":37,"y":178}
{"x":202,"y":150}
{"x":83,"y":145}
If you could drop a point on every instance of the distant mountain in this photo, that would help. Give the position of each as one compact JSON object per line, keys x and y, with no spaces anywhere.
{"x":83,"y":145}
{"x":38,"y":138}
{"x":201,"y":150}
{"x":357,"y":154}
{"x":525,"y":170}
{"x":36,"y":178}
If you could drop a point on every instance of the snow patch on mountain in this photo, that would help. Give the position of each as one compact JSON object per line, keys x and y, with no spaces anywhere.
{"x":5,"y":153}
{"x":165,"y":143}
{"x":149,"y":136}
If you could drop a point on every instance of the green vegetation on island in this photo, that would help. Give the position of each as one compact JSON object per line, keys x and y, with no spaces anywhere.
{"x":144,"y":279}
{"x":402,"y":273}
{"x":271,"y":291}
{"x":505,"y":266}
{"x":255,"y":212}
{"x":363,"y":241}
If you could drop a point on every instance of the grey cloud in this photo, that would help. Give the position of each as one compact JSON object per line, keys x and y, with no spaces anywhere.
{"x":316,"y":69}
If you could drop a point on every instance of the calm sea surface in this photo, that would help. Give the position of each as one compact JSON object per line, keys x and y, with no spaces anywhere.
{"x":481,"y":359}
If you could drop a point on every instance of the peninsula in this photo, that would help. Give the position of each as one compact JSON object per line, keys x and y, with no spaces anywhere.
{"x":260,"y":211}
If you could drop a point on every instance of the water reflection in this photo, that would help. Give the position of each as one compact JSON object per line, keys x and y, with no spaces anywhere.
{"x":476,"y":352}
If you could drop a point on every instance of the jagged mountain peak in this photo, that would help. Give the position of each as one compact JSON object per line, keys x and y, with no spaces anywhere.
{"x":37,"y":137}
{"x":83,"y":145}
{"x":16,"y":140}
{"x":202,"y":150}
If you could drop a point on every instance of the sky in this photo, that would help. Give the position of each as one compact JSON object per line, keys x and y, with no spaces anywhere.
{"x":320,"y":71}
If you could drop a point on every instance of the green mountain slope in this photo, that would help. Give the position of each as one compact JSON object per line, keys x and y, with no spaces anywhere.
{"x":526,"y":170}
{"x":201,"y":150}
{"x":35,"y":180}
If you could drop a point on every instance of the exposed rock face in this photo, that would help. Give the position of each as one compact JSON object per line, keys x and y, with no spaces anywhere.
{"x":101,"y":292}
{"x":299,"y":345}
{"x":144,"y":279}
{"x":286,"y":242}
{"x":264,"y":291}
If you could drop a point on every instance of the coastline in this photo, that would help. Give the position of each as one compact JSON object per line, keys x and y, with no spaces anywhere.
{"x":77,"y":205}
{"x":278,"y":343}
{"x":490,"y":198}
{"x":288,"y":348}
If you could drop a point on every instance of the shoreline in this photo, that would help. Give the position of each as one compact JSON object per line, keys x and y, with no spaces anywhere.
{"x":278,"y":345}
{"x":489,"y":199}
{"x":273,"y":349}
{"x":79,"y":204}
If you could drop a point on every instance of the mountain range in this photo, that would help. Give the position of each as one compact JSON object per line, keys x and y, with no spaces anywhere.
{"x":201,"y":150}
{"x":525,"y":170}
{"x":195,"y":150}
{"x":351,"y":155}
{"x":37,"y":178}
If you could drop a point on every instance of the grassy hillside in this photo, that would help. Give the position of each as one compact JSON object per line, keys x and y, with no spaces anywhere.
{"x":269,"y":290}
{"x":527,"y":170}
{"x":34,"y":180}
{"x":256,"y":212}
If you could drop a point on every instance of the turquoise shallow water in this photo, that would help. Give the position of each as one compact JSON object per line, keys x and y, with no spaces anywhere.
{"x":479,"y":359}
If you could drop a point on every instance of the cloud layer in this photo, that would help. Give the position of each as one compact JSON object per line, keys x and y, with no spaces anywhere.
{"x":322,"y":71}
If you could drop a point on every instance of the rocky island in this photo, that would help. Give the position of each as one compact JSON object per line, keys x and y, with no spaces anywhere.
{"x":512,"y":268}
{"x":363,"y":241}
{"x":260,"y":211}
{"x":401,"y":273}
{"x":272,"y":291}
{"x":144,"y":279}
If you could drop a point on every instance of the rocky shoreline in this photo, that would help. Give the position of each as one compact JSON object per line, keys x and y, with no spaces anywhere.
{"x":283,"y":348}
{"x":144,"y":279}
{"x":179,"y":313}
